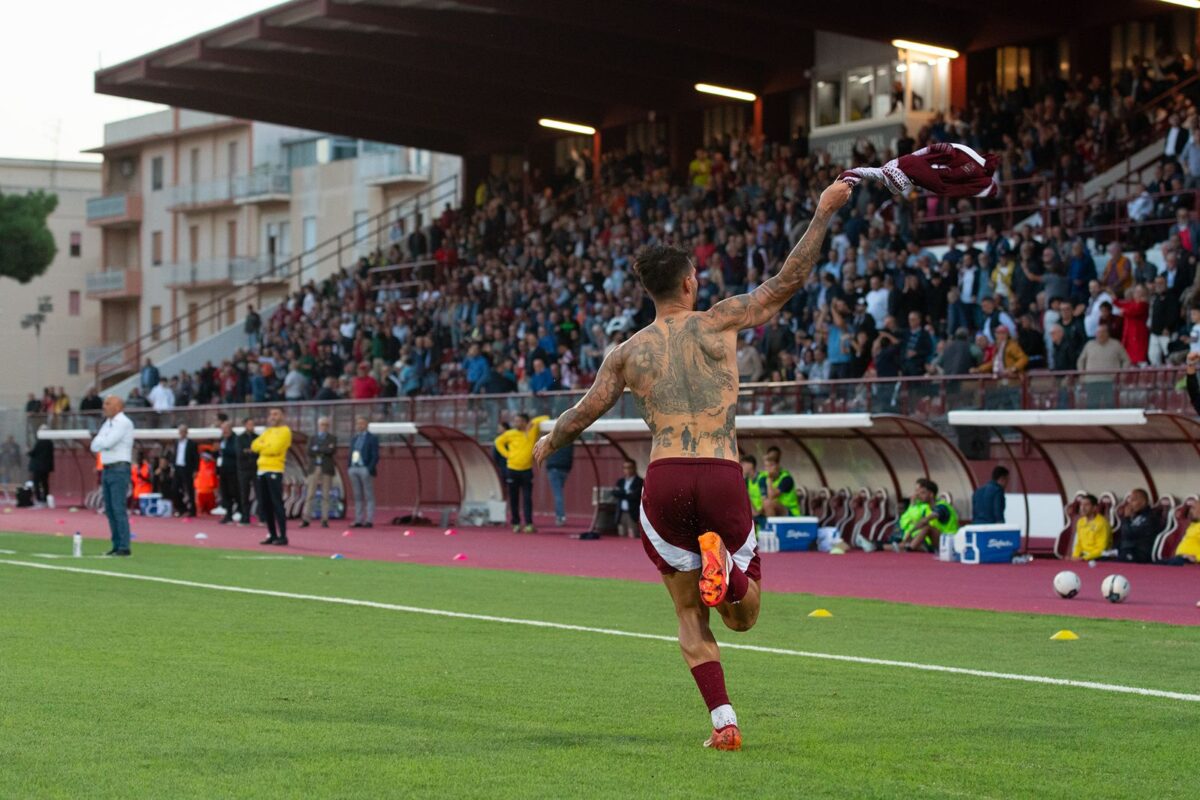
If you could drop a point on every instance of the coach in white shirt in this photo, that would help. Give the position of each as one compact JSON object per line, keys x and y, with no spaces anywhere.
{"x":114,"y":443}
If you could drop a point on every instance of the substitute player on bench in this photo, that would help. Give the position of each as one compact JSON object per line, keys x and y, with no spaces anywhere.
{"x":682,"y":371}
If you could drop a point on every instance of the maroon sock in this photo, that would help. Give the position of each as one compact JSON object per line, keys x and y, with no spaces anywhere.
{"x":710,"y":678}
{"x":739,"y":584}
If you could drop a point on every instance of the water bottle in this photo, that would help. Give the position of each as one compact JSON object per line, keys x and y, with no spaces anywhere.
{"x":77,"y":545}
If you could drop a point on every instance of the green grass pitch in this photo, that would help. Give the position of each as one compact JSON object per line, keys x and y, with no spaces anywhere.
{"x":120,"y":688}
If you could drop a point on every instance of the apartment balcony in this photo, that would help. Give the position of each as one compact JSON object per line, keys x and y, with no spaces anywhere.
{"x":402,"y":165}
{"x":273,"y":186}
{"x":115,"y":210}
{"x":220,"y":272}
{"x":114,"y":284}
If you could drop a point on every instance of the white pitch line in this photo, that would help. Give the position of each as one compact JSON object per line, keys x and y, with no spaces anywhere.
{"x":534,"y":623}
{"x":264,"y":558}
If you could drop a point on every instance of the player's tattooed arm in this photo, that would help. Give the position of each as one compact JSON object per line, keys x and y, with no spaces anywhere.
{"x":755,"y":308}
{"x":605,"y":391}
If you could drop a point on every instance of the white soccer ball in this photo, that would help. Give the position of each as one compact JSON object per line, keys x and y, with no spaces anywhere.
{"x":237,"y":516}
{"x":1067,"y":584}
{"x":1115,"y":589}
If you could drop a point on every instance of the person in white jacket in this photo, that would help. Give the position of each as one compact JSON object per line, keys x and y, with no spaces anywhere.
{"x":114,"y":443}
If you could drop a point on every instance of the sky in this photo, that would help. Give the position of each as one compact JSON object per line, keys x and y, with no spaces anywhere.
{"x":50,"y":49}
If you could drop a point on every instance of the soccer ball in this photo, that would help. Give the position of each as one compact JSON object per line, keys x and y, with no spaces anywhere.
{"x":1067,"y":584}
{"x":237,"y":516}
{"x":1115,"y":589}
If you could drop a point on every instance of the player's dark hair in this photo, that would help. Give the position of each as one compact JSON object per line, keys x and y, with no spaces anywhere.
{"x":751,"y":460}
{"x":775,"y":451}
{"x":928,"y":485}
{"x":1091,"y":498}
{"x":1145,"y":495}
{"x":662,"y":269}
{"x":999,"y":472}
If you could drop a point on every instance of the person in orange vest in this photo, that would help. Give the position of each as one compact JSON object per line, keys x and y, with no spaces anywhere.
{"x":206,"y":481}
{"x":140,"y":481}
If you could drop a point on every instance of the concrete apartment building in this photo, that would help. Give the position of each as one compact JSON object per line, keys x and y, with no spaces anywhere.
{"x":195,"y":205}
{"x":55,"y":356}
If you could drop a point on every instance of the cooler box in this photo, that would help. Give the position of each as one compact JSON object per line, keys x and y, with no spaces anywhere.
{"x":794,"y":533}
{"x":987,"y":544}
{"x":148,"y":504}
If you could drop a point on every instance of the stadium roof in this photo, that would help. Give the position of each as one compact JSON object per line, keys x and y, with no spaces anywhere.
{"x":473,"y":76}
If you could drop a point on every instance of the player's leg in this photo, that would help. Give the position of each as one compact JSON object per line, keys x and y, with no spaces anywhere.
{"x":742,"y":615}
{"x":703,"y":657}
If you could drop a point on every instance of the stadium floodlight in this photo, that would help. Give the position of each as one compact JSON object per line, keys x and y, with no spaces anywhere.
{"x":1184,"y":3}
{"x":736,"y":94}
{"x":573,"y":127}
{"x":927,"y":49}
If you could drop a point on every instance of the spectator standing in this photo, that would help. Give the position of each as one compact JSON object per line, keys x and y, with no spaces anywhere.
{"x":41,"y":464}
{"x":114,"y":444}
{"x":295,"y":383}
{"x":321,"y":469}
{"x":1008,"y":358}
{"x":987,"y":504}
{"x":1093,"y":535}
{"x":1135,"y":332}
{"x":252,"y":327}
{"x":1140,"y":525}
{"x":918,"y":346}
{"x":993,"y":317}
{"x":1100,"y":356}
{"x":364,"y":461}
{"x":364,"y":386}
{"x":91,"y":401}
{"x":187,"y":461}
{"x":33,"y":405}
{"x":628,"y":493}
{"x":272,"y":446}
{"x":227,"y":475}
{"x":161,"y":397}
{"x":148,"y":377}
{"x":247,"y":468}
{"x":516,"y":445}
{"x":558,"y":469}
{"x":1164,"y":320}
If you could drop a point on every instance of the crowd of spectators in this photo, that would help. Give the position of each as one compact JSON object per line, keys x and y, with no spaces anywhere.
{"x":532,"y":287}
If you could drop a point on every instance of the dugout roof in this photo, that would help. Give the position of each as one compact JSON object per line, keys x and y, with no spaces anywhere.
{"x":473,"y":76}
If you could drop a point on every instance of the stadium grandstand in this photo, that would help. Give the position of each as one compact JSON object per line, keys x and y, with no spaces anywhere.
{"x":412,"y":269}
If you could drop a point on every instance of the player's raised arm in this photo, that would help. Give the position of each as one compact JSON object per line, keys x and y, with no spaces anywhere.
{"x":755,"y":308}
{"x":605,"y":391}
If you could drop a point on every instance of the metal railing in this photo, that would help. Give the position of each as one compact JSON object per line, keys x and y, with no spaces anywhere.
{"x":928,"y":399}
{"x":298,"y":268}
{"x":113,"y":280}
{"x":113,"y":206}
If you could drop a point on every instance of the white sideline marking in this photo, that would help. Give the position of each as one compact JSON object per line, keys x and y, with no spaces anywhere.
{"x":264,"y":558}
{"x":534,"y":623}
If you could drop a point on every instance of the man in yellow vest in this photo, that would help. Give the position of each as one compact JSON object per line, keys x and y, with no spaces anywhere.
{"x":778,"y":489}
{"x":925,"y":520}
{"x":272,"y":446}
{"x":750,"y":473}
{"x":516,"y":446}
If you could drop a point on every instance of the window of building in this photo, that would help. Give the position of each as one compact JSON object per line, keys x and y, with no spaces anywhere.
{"x":73,"y":303}
{"x":300,"y":154}
{"x":341,"y":148}
{"x":72,"y":362}
{"x":156,"y":323}
{"x":156,"y":248}
{"x":230,"y":312}
{"x":231,"y":238}
{"x":193,"y":244}
{"x":194,"y":166}
{"x":233,"y":159}
{"x":1012,"y":63}
{"x":860,"y":94}
{"x":76,"y":244}
{"x":829,"y":102}
{"x":156,"y":173}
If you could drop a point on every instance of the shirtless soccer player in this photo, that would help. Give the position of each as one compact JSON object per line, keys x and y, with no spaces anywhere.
{"x":695,"y":510}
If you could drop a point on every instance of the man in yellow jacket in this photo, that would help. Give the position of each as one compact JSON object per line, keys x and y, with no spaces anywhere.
{"x":272,"y":447}
{"x":516,"y":446}
{"x":1092,"y":532}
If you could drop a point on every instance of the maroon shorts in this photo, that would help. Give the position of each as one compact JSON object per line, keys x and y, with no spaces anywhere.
{"x":685,"y":497}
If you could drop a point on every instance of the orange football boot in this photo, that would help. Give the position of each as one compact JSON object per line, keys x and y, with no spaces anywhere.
{"x":714,"y":569}
{"x":727,"y":738}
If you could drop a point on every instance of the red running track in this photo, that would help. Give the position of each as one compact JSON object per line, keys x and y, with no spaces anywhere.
{"x":1160,"y":594}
